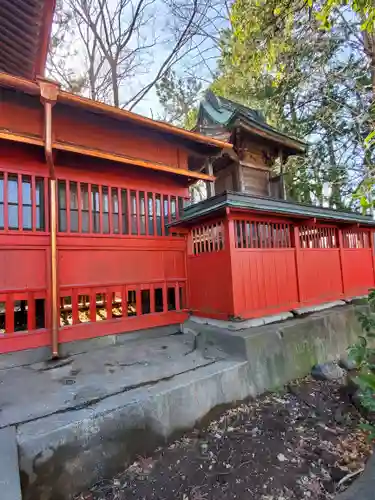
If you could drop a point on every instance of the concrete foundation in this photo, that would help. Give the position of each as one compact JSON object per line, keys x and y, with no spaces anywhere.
{"x":87,"y":416}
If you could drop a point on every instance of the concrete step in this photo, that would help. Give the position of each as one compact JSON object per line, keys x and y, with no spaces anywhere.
{"x":10,"y":487}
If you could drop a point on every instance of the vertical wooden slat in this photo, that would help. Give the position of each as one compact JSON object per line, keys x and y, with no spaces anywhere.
{"x":146,"y":212}
{"x":169,"y":209}
{"x":108,"y":302}
{"x":128,"y":211}
{"x":165,"y":297}
{"x":92,"y":306}
{"x":5,"y":201}
{"x":9,"y":314}
{"x":261,"y":234}
{"x":19,"y":199}
{"x":45,"y":204}
{"x":162,"y":214}
{"x":79,"y":201}
{"x":67,"y":199}
{"x":89,"y":188}
{"x":177,"y":297}
{"x":74,"y":306}
{"x":100,"y":209}
{"x":152,"y":299}
{"x":33,"y":203}
{"x":31,"y":324}
{"x":138,"y":300}
{"x":124,"y":301}
{"x":154,"y":213}
{"x":119,"y":197}
{"x":138,"y":212}
{"x":110,"y":222}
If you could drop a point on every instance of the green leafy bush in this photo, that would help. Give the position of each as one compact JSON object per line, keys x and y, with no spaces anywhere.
{"x":363,"y":354}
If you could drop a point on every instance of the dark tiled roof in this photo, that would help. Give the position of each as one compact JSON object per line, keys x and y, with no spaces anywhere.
{"x":218,"y":112}
{"x":271,"y":206}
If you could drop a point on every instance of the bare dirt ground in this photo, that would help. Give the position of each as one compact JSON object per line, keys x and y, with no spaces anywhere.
{"x":302,"y":442}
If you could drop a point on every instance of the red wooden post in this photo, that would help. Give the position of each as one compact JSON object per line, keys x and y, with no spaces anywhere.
{"x":100,"y":209}
{"x":372,"y":246}
{"x":124,"y":301}
{"x":19,"y":198}
{"x":342,"y":261}
{"x":177,"y":297}
{"x":297,"y":250}
{"x":145,"y":206}
{"x":165,"y":297}
{"x":30,"y":312}
{"x":75,"y":318}
{"x":92,"y":306}
{"x":137,"y":211}
{"x":229,"y":247}
{"x":67,"y":201}
{"x":79,"y":201}
{"x":154,"y":213}
{"x":110,"y":222}
{"x":138,"y":301}
{"x":119,"y":197}
{"x":152,"y":299}
{"x":46,"y":204}
{"x":109,"y":297}
{"x":129,"y":210}
{"x":33,"y":203}
{"x":9,"y":314}
{"x":6,"y":201}
{"x":90,"y":195}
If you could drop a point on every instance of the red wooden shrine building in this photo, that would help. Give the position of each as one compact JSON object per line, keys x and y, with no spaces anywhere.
{"x":93,"y":236}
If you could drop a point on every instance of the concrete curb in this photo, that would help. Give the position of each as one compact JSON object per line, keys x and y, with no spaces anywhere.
{"x":64,"y":453}
{"x":10,"y":486}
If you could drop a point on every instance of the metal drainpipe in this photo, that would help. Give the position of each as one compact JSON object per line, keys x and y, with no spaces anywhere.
{"x":48,"y":94}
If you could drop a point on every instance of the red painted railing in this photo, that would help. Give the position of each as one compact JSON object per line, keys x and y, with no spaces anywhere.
{"x":119,"y":269}
{"x":271,"y":265}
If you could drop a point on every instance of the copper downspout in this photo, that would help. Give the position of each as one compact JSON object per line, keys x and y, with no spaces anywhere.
{"x":48,"y":95}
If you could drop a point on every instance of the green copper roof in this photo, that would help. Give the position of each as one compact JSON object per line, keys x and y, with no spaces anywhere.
{"x":271,"y":206}
{"x":219,"y":111}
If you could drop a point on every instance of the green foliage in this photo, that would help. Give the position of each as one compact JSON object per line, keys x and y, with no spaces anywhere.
{"x":365,"y":8}
{"x":179,"y":97}
{"x":364,"y":356}
{"x":309,"y":82}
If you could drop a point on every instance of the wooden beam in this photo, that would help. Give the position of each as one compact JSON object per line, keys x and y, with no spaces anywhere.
{"x":10,"y":136}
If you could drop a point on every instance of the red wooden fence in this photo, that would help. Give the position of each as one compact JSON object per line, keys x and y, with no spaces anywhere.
{"x":275,"y":265}
{"x":119,"y":269}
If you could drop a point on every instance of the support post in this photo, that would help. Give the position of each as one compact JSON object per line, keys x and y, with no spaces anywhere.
{"x":297,"y":253}
{"x":282,"y":182}
{"x":210,"y":185}
{"x":48,"y":95}
{"x":341,"y":256}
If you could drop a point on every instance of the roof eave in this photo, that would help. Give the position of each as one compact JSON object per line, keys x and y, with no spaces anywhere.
{"x":242,"y":201}
{"x":32,"y":88}
{"x":296,"y":146}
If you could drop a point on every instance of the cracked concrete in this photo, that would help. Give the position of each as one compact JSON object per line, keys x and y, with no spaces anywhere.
{"x":45,"y":388}
{"x":85,"y":417}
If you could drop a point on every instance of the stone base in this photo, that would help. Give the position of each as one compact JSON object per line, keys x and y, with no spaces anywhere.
{"x":242,"y":325}
{"x":64,"y":451}
{"x":320,"y":307}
